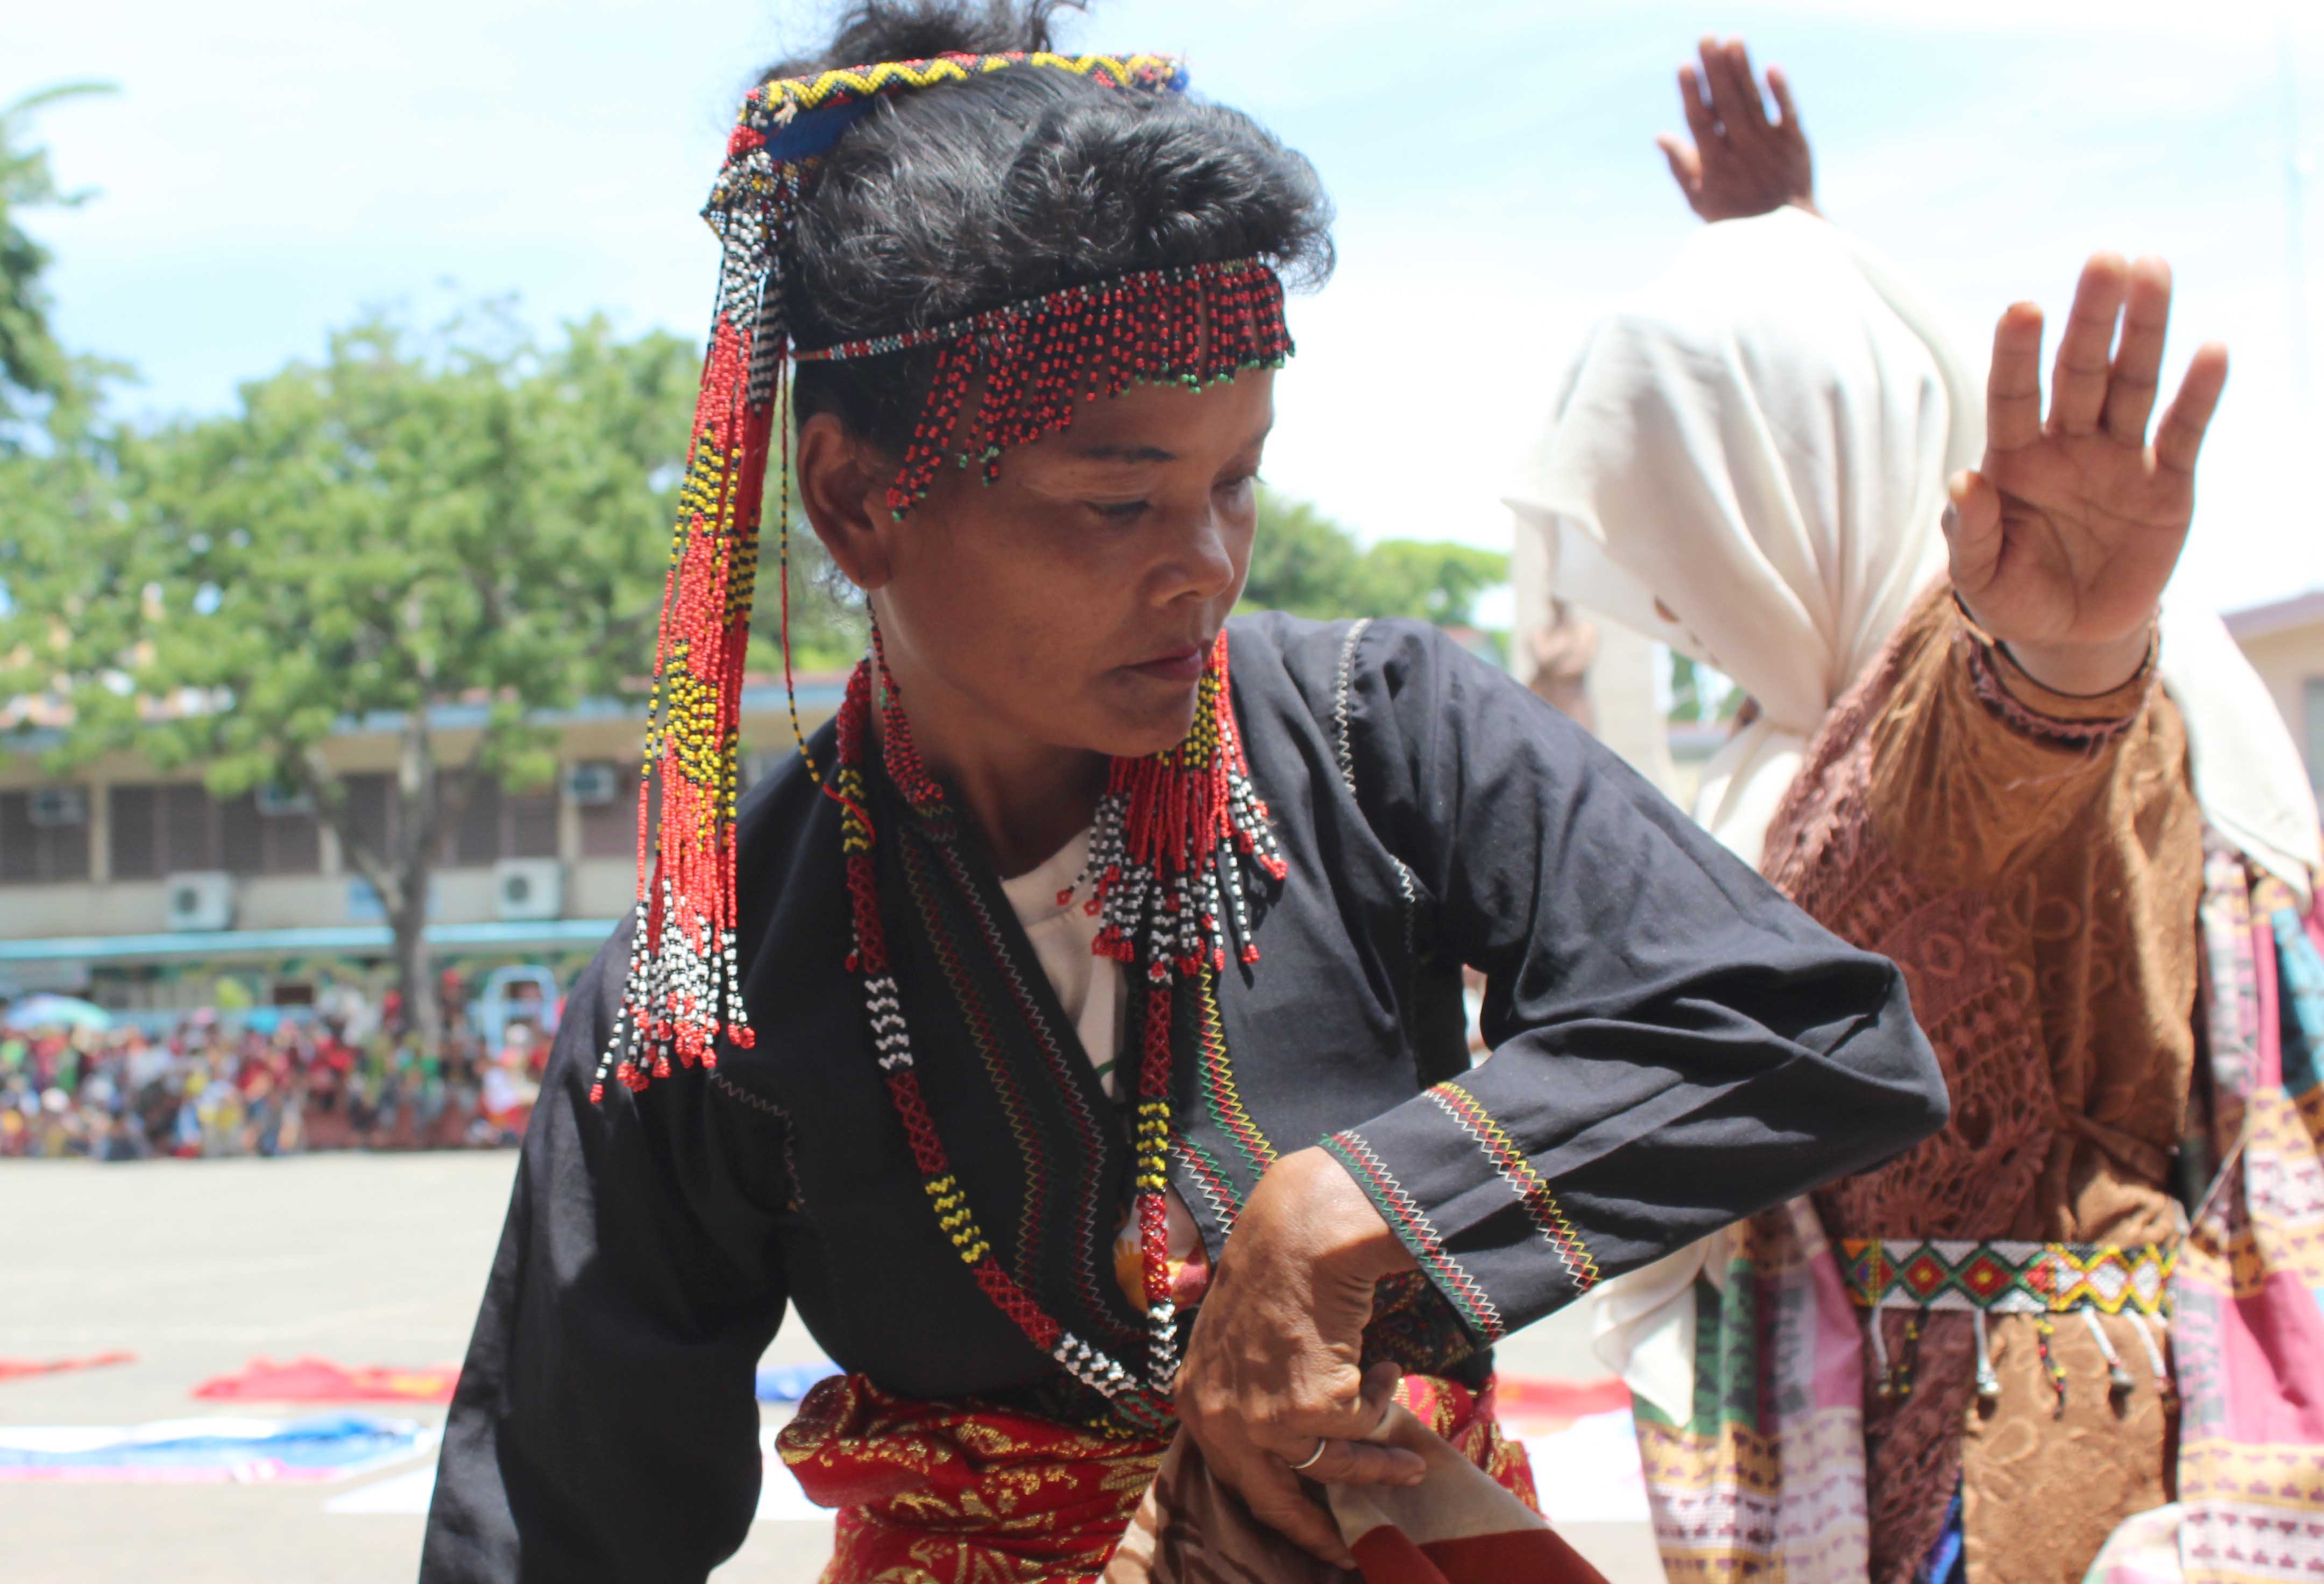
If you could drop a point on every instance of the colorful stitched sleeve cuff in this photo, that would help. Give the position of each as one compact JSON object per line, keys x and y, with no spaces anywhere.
{"x":1470,"y":1207}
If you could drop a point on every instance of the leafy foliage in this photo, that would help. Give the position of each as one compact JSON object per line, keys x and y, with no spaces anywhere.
{"x":35,"y":372}
{"x":467,"y":518}
{"x":1305,"y":563}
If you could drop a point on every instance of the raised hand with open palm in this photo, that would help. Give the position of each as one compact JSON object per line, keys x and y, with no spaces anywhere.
{"x":2062,"y":542}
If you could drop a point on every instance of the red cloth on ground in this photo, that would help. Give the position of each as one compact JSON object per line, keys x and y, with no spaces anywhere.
{"x":12,"y":1369}
{"x":317,"y":1380}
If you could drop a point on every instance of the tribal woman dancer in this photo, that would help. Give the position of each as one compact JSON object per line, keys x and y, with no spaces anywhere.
{"x":2080,"y":828}
{"x":1073,"y":1029}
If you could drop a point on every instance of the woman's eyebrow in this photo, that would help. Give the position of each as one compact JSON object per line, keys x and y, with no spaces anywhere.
{"x":1111,"y":452}
{"x":1103,"y":453}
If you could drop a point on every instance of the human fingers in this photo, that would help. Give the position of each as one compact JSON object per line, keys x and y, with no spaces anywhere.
{"x":2138,"y":360}
{"x":2180,"y":439}
{"x":1734,"y":96}
{"x":1972,"y":527}
{"x":2078,"y":381}
{"x":1698,"y":110}
{"x":1346,"y":1463}
{"x":1276,"y":1499}
{"x":1686,"y":165}
{"x":2012,"y":389}
{"x":1780,"y":86}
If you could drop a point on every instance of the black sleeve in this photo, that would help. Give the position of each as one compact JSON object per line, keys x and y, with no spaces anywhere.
{"x":606,"y":1424}
{"x":1674,"y":1045}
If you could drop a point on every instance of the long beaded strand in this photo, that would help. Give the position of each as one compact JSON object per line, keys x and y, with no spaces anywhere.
{"x":1175,"y":820}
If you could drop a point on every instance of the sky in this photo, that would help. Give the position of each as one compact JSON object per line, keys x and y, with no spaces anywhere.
{"x":268,"y":171}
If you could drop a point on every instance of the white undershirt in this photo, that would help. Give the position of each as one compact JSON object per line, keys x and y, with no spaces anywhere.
{"x":1088,"y":987}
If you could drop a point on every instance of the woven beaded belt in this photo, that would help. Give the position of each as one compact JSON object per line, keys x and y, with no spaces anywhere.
{"x":2007,"y":1278}
{"x":2039,"y":1279}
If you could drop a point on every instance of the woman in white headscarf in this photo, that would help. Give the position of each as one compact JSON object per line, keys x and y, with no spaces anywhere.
{"x":1976,"y":775}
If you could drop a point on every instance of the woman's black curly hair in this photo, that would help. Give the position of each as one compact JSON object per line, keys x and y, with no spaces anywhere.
{"x":957,"y":199}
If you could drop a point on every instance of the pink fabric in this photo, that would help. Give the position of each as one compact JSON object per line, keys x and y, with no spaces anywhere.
{"x":2270,"y":1345}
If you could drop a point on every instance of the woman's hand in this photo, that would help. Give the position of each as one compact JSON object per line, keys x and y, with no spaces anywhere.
{"x":1273,"y":1372}
{"x":1740,"y":164}
{"x":2062,"y":544}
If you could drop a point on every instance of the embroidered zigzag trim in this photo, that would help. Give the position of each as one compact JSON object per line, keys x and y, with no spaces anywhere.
{"x":843,"y":84}
{"x":1217,"y":1187}
{"x":1085,"y":1125}
{"x":1419,"y":1233}
{"x":1541,"y":1206}
{"x":1219,"y":1085}
{"x":982,"y":1033}
{"x":1343,"y":688}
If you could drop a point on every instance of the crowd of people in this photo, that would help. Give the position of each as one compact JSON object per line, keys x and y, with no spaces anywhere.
{"x":218,"y":1085}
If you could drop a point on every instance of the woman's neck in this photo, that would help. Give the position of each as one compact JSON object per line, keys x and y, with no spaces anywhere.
{"x":1027,"y":797}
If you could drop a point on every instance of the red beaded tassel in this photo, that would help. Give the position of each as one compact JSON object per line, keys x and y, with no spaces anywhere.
{"x":1172,"y":836}
{"x":683,"y":990}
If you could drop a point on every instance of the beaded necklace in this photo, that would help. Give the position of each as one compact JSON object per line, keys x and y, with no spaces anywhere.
{"x":1175,"y":841}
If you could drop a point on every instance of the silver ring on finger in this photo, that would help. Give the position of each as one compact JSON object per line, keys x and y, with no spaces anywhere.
{"x":1321,"y":1444}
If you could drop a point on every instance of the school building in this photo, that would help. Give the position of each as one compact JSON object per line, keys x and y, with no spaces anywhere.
{"x":144,"y":892}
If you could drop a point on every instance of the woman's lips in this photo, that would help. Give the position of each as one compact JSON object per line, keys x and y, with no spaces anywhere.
{"x":1179,"y":665}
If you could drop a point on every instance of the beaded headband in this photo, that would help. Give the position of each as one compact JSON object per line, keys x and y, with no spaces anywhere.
{"x":1194,"y":324}
{"x":1037,"y":360}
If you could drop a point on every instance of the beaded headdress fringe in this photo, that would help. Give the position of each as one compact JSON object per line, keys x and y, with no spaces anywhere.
{"x":1037,"y":359}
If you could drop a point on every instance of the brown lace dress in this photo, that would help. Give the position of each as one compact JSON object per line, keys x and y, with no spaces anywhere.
{"x":2032,"y":862}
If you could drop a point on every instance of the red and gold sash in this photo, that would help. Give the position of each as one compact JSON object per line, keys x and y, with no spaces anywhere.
{"x":945,"y":1490}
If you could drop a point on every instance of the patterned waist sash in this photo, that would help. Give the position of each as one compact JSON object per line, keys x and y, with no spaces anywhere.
{"x":970,"y":1490}
{"x":2007,"y":1278}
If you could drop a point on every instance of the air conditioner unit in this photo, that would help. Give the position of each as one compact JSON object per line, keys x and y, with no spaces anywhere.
{"x":202,"y":900}
{"x":58,"y":805}
{"x":284,"y":800}
{"x":527,"y":888}
{"x":595,"y":783}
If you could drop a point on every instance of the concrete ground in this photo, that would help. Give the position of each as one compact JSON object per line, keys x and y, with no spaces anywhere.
{"x":198,"y":1267}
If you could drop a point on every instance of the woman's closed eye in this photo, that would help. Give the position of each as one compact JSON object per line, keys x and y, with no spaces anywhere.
{"x":1122,"y":511}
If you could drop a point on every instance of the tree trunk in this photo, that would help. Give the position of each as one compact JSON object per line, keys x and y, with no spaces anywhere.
{"x":415,"y":975}
{"x":419,"y":794}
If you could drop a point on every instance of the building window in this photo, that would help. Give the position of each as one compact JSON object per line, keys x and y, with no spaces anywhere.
{"x":2312,"y":732}
{"x":177,"y":827}
{"x":43,"y":834}
{"x":372,"y":812}
{"x":610,"y":829}
{"x":136,"y":820}
{"x":493,"y":823}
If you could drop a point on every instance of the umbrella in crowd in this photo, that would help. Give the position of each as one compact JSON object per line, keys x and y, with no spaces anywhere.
{"x":43,"y":1012}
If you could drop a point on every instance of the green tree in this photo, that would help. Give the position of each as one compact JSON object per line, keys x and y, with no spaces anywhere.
{"x":1436,"y":580}
{"x":35,"y":372}
{"x":1304,"y":563}
{"x":467,"y":518}
{"x":1300,"y":561}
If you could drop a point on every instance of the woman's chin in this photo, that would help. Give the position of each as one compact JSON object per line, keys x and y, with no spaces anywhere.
{"x":1146,"y":718}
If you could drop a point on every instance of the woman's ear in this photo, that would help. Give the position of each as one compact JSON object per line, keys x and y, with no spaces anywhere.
{"x":842,"y":486}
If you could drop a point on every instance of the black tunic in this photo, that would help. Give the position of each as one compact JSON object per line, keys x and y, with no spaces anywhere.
{"x":1674,"y":1046}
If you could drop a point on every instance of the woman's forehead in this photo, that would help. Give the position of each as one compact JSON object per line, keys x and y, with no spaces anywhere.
{"x":1160,"y":423}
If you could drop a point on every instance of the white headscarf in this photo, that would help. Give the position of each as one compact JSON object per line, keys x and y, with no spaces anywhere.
{"x":1760,"y":443}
